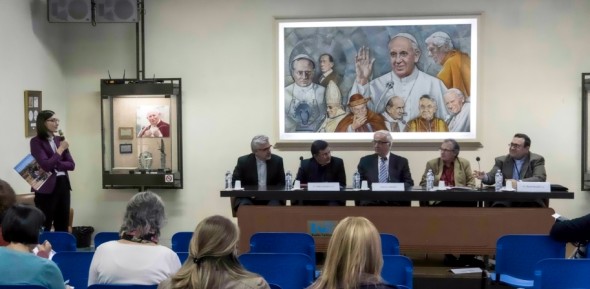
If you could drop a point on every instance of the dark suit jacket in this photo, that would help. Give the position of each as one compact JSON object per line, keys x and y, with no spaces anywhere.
{"x":399,"y":172}
{"x":247,"y":172}
{"x":331,"y":77}
{"x":50,"y":161}
{"x":311,"y":171}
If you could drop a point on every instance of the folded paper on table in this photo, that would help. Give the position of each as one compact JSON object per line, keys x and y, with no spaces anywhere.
{"x":31,"y":172}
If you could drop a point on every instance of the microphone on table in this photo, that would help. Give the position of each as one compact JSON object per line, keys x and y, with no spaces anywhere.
{"x":477,"y":159}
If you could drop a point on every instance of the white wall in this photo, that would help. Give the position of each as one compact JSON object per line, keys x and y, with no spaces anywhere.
{"x":531,"y":57}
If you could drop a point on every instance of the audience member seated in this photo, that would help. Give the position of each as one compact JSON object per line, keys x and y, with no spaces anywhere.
{"x":322,"y":167}
{"x":260,"y":168}
{"x":7,"y":199}
{"x":354,"y":259}
{"x":520,"y":165}
{"x":384,"y":167}
{"x":20,"y":227}
{"x":576,"y":231}
{"x":212,"y":262}
{"x":136,"y":258}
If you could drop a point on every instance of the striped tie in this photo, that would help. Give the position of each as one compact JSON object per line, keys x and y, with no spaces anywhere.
{"x":383,"y":170}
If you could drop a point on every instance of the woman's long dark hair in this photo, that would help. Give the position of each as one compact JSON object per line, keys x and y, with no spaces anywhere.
{"x":42,"y":117}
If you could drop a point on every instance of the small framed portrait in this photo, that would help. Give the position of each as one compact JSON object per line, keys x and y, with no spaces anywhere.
{"x":125,"y":148}
{"x":126,"y":133}
{"x":32,"y":109}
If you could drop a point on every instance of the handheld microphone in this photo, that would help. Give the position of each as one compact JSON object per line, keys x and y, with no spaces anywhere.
{"x":61,"y":135}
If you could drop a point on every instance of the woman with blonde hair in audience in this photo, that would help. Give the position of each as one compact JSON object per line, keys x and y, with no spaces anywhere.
{"x":354,"y":259}
{"x":20,"y":227}
{"x":136,"y":258}
{"x":213,"y":262}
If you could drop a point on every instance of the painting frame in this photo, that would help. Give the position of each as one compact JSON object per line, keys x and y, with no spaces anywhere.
{"x":126,"y":132}
{"x":33,"y":105}
{"x":344,"y":38}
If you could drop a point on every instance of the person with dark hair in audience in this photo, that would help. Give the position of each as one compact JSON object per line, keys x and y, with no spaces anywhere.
{"x":51,"y":152}
{"x":213,"y":262}
{"x":519,"y":165}
{"x":136,"y":258}
{"x":321,"y":168}
{"x":20,"y":228}
{"x":384,"y":167}
{"x":260,"y":168}
{"x":354,"y":259}
{"x":7,"y":199}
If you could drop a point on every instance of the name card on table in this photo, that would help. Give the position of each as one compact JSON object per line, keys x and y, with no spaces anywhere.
{"x":533,"y":187}
{"x":335,"y":186}
{"x":397,"y":187}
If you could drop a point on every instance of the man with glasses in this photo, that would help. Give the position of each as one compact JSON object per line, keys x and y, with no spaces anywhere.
{"x":260,"y":168}
{"x":304,"y":100}
{"x":427,"y":121}
{"x":384,"y":167}
{"x":322,"y":167}
{"x":520,"y":165}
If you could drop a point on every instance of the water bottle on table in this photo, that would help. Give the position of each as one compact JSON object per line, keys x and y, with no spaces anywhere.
{"x":228,"y":179}
{"x":356,"y":181}
{"x":430,"y":180}
{"x":499,"y":180}
{"x":288,"y":181}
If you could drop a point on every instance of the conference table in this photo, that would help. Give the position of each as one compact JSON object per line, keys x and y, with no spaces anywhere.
{"x":453,"y":230}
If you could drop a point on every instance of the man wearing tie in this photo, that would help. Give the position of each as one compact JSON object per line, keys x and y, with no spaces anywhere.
{"x":384,"y":167}
{"x":327,"y":68}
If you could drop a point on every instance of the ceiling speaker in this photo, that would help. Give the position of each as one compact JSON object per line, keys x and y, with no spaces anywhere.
{"x":116,"y":10}
{"x":69,"y":10}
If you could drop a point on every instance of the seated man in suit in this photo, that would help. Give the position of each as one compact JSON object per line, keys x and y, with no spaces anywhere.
{"x":520,"y":165}
{"x":384,"y":167}
{"x":260,"y":168}
{"x":322,"y":167}
{"x":453,"y":170}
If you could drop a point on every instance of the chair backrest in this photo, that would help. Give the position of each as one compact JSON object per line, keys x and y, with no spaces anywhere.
{"x":516,"y":255}
{"x":60,"y":241}
{"x":182,"y":256}
{"x":397,"y":270}
{"x":389,"y":244}
{"x":103,"y":237}
{"x":274,"y":286}
{"x":74,"y":266}
{"x":562,"y":273}
{"x":283,"y":242}
{"x":121,"y":286}
{"x":288,"y":270}
{"x":181,"y":241}
{"x":23,"y":286}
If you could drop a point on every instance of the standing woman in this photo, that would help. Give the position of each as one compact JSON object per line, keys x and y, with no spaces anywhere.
{"x":51,"y":152}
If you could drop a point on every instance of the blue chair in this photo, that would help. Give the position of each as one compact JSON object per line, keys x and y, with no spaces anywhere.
{"x":562,"y":274}
{"x":121,"y":286}
{"x":182,"y":256}
{"x":516,"y":256}
{"x":74,"y":266}
{"x":283,"y":242}
{"x":60,"y":241}
{"x":389,"y":244}
{"x":23,"y":286}
{"x":290,"y":271}
{"x":274,"y":286}
{"x":103,"y":237}
{"x":181,"y":241}
{"x":398,"y":270}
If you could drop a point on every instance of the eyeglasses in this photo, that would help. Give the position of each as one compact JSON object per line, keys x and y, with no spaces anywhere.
{"x":265,"y":149}
{"x":378,"y":142}
{"x":445,"y":150}
{"x":53,"y":120}
{"x":515,"y":146}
